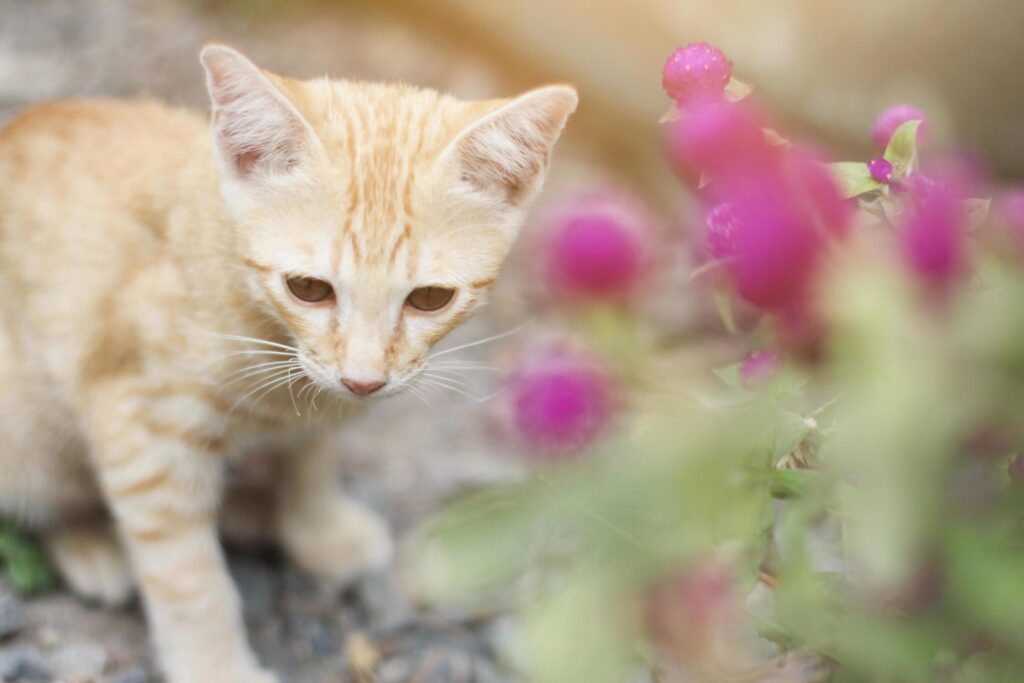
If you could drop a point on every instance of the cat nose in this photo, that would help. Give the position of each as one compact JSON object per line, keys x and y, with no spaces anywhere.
{"x":362,"y":388}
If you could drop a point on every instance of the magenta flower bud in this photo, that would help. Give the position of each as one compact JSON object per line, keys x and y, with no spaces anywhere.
{"x":881,"y":170}
{"x":597,"y":244}
{"x":934,"y":234}
{"x":560,"y":401}
{"x":894,"y":117}
{"x":759,"y":367}
{"x":696,"y":70}
{"x":719,"y":139}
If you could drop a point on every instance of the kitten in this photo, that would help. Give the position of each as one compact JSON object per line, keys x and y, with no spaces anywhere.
{"x":164,"y":299}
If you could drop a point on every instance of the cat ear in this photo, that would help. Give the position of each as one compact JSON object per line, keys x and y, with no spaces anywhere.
{"x":505,"y":153}
{"x":256,"y":128}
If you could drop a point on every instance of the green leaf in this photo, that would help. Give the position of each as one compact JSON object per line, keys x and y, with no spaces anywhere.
{"x":730,"y":374}
{"x":902,"y":149}
{"x":673,"y":113}
{"x":723,"y":304}
{"x":786,"y":484}
{"x":478,"y":542}
{"x":24,"y":562}
{"x":736,"y":90}
{"x":854,"y":178}
{"x":789,"y":433}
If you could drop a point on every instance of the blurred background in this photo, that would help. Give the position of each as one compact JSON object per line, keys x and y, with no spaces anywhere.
{"x":822,"y":68}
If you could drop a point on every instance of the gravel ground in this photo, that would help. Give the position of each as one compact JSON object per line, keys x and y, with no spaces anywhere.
{"x":402,"y":457}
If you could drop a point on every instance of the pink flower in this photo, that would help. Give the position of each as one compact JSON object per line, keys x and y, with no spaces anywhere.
{"x":722,"y":225}
{"x":717,"y":138}
{"x":894,"y":117}
{"x":934,"y":233}
{"x":597,"y":244}
{"x":758,"y":367}
{"x":692,"y":614}
{"x":881,"y":170}
{"x":769,"y":237}
{"x":696,"y":70}
{"x":812,"y":180}
{"x":560,"y":401}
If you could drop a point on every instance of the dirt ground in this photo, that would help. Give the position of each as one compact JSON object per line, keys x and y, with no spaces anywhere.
{"x":403,"y":457}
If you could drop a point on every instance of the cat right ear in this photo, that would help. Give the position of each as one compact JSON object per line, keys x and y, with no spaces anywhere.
{"x":257,"y":130}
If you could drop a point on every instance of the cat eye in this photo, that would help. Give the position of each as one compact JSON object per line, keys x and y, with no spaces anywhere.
{"x":430,"y":298}
{"x":310,"y":289}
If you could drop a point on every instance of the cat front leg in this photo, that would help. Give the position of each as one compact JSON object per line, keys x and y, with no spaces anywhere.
{"x":323,"y":531}
{"x":160,"y":466}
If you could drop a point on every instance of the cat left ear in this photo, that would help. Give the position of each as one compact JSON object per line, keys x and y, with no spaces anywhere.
{"x":257,"y":129}
{"x":505,"y":154}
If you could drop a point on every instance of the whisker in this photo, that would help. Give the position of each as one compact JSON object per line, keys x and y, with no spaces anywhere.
{"x":250,"y":370}
{"x":279,"y":383}
{"x":481,"y":341}
{"x":291,"y":383}
{"x":255,"y":340}
{"x":263,"y":381}
{"x":447,"y":376}
{"x":438,"y":382}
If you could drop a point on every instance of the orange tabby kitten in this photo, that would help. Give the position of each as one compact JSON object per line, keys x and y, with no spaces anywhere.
{"x":164,"y":299}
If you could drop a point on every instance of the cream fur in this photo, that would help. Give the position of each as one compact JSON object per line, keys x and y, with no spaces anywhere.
{"x":142,"y":271}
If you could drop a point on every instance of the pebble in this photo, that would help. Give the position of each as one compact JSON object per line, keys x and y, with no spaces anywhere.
{"x":134,"y":674}
{"x":257,"y":586}
{"x":23,"y":662}
{"x":79,"y":661}
{"x":12,"y":617}
{"x":385,"y":601}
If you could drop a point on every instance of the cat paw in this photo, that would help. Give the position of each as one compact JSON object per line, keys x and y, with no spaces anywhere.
{"x":338,"y":540}
{"x":92,"y":563}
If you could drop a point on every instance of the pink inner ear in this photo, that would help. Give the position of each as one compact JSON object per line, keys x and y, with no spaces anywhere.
{"x":509,"y":154}
{"x":255,"y":128}
{"x":246,"y":162}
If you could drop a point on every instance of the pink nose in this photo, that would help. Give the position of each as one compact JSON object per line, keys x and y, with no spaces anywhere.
{"x":362,"y":388}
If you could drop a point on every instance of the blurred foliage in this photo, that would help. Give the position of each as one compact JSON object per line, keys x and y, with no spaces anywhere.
{"x":23,"y":562}
{"x":856,"y":517}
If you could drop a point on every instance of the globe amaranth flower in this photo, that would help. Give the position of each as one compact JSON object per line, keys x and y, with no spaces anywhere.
{"x":559,"y":400}
{"x":597,"y":244}
{"x":772,"y":228}
{"x":894,"y":117}
{"x":934,"y":232}
{"x":696,"y":70}
{"x":717,"y":139}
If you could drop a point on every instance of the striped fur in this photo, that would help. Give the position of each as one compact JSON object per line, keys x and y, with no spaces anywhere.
{"x":148,"y":338}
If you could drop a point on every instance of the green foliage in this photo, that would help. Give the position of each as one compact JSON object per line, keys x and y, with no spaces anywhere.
{"x":854,"y":178}
{"x":902,"y":149}
{"x":865,"y":491}
{"x":23,"y":562}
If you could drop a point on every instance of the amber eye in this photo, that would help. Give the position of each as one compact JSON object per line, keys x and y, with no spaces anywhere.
{"x":310,"y":289}
{"x":430,"y":298}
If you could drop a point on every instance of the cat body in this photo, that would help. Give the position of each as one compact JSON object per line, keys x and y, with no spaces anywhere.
{"x":173,"y":298}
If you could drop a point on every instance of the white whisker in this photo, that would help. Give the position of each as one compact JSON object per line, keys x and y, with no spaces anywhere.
{"x":481,"y":341}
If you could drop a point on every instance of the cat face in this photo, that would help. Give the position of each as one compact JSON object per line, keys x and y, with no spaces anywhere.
{"x":372,"y":219}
